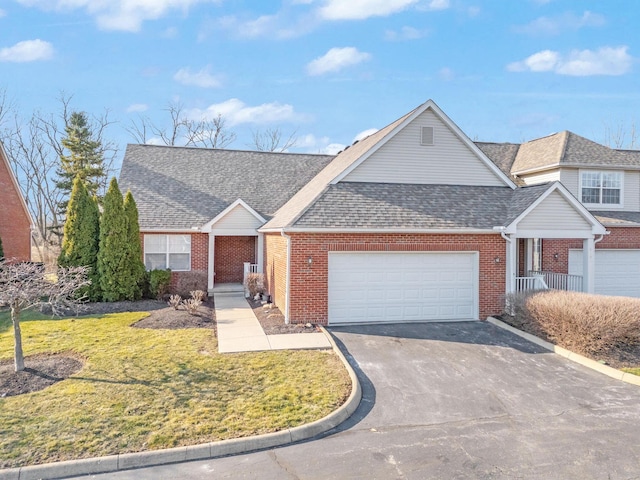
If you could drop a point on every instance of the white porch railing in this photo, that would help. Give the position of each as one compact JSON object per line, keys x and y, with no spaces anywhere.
{"x":561,"y":281}
{"x":248,"y":268}
{"x":534,"y":282}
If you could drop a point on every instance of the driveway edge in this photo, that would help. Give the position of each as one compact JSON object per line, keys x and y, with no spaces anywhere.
{"x":234,"y":446}
{"x":574,"y":357}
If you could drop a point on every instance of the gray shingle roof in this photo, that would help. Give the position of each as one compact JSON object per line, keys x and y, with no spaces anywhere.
{"x":617,"y":218}
{"x":179,"y":187}
{"x":400,"y":206}
{"x":567,"y":148}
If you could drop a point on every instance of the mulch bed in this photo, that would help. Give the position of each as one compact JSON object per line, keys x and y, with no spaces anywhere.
{"x":272,"y":320}
{"x":172,"y":319}
{"x":41,"y":371}
{"x":625,"y":356}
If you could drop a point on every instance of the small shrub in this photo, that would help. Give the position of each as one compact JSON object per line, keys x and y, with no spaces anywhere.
{"x":581,"y":322}
{"x":175,"y":301}
{"x":198,"y":295}
{"x":190,"y":281}
{"x":254,"y":283}
{"x":159,"y":281}
{"x":191,"y":304}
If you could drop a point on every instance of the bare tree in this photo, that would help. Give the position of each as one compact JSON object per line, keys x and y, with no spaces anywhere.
{"x":34,"y":147}
{"x":270,"y":140}
{"x":25,"y":286}
{"x":182,"y":130}
{"x":622,"y":137}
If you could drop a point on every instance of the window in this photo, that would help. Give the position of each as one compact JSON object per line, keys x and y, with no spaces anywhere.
{"x":167,"y":251}
{"x":601,"y":188}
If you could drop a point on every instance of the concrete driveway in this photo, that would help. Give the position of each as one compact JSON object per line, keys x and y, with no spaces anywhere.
{"x":456,"y":400}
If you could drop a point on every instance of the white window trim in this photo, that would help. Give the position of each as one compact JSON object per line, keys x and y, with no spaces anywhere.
{"x":602,"y":206}
{"x":167,"y":253}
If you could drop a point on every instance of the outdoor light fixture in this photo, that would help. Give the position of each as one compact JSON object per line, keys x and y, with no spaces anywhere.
{"x":555,"y":256}
{"x":309,"y":260}
{"x":497,"y":259}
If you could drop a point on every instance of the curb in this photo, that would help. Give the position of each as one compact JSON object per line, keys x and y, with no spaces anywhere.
{"x":574,"y":357}
{"x":235,"y":446}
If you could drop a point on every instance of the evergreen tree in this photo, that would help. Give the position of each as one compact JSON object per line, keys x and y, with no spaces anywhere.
{"x":85,"y":158}
{"x":81,"y":237}
{"x":136,"y":275}
{"x":1,"y":250}
{"x":112,"y":254}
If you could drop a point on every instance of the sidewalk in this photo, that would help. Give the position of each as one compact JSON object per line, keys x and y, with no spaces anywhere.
{"x":240,"y":331}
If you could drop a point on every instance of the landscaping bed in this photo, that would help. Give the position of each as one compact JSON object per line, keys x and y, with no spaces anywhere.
{"x":150,"y":388}
{"x":272,"y":320}
{"x":603,"y":328}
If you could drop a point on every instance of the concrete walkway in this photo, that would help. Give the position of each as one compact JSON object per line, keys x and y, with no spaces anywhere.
{"x":240,"y":331}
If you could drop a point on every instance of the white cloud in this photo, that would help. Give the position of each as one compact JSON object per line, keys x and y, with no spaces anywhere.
{"x":560,"y":24}
{"x":281,"y":25}
{"x":2,"y":13}
{"x":333,"y":149}
{"x":137,"y":107}
{"x":446,"y":74}
{"x":27,"y":51}
{"x":336,"y":59}
{"x":361,"y":9}
{"x":579,"y":63}
{"x":202,"y":78}
{"x":438,"y":5}
{"x":125,"y":15}
{"x":405,"y":33}
{"x":236,"y":112}
{"x":365,"y":134}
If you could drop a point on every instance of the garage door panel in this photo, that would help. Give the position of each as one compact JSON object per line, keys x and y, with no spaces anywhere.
{"x":402,"y":286}
{"x":617,"y":272}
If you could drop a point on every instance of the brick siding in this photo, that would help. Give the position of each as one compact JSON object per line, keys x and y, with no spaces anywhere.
{"x":309,"y":284}
{"x":230,"y":254}
{"x":15,"y":227}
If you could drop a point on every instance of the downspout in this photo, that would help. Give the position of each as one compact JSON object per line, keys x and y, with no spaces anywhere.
{"x":288,"y":276}
{"x":509,"y":285}
{"x":601,"y":238}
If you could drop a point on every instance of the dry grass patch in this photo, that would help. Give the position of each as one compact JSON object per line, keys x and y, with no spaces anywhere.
{"x":601,"y":327}
{"x":148,"y":389}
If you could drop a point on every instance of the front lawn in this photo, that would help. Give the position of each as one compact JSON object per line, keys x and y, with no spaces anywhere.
{"x":145,"y":389}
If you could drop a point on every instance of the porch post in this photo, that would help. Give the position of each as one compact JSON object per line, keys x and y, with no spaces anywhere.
{"x":588,"y":265}
{"x":511,"y":263}
{"x":210,"y":273}
{"x":260,"y":253}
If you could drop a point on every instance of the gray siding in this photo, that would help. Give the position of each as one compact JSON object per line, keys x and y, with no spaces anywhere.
{"x":554,"y":213}
{"x":570,"y":177}
{"x":404,"y":160}
{"x":237,"y":219}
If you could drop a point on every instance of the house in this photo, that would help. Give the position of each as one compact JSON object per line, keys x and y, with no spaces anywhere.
{"x":607,"y":182}
{"x":415,"y":222}
{"x":15,"y":219}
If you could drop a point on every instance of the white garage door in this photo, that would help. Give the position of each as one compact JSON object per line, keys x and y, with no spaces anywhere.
{"x":617,"y":271}
{"x":371,"y":287}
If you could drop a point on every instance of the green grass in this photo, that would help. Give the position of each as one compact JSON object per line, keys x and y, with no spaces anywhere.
{"x":148,"y":389}
{"x":635,"y":371}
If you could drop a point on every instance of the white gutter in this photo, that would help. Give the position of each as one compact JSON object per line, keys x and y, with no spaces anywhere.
{"x":451,"y":231}
{"x":288,"y":281}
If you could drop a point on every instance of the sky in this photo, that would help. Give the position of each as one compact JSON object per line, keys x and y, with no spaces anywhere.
{"x":329,"y":71}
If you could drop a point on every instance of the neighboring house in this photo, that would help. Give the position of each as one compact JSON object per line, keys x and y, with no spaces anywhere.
{"x":15,"y":220}
{"x":606,"y":181}
{"x":414,"y":222}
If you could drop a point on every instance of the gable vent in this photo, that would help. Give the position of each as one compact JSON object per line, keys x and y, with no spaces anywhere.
{"x":427,"y":136}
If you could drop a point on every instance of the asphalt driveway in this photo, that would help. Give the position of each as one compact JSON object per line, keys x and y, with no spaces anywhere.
{"x":456,"y":400}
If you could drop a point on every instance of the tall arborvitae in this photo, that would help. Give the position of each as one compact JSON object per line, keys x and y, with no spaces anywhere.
{"x":136,"y":275}
{"x":1,"y":250}
{"x":112,"y":255}
{"x":81,"y":237}
{"x":85,"y":158}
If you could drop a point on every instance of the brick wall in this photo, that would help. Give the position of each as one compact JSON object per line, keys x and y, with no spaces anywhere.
{"x":230,"y":254}
{"x":275,"y":267}
{"x":620,"y":237}
{"x":15,"y":228}
{"x":309,"y":284}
